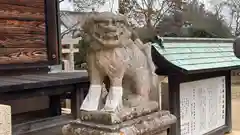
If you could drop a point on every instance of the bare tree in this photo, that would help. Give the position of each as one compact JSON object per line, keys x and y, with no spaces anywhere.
{"x":234,"y":7}
{"x":218,"y":9}
{"x":83,"y":5}
{"x":196,"y":21}
{"x":68,"y":22}
{"x":146,"y":12}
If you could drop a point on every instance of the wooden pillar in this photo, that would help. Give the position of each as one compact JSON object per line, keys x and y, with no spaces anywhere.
{"x":55,"y":105}
{"x":77,"y":97}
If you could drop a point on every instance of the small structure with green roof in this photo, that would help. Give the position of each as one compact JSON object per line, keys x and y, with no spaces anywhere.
{"x":199,"y":83}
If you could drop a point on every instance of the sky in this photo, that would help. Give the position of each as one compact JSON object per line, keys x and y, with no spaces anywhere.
{"x":210,"y":6}
{"x":112,"y":5}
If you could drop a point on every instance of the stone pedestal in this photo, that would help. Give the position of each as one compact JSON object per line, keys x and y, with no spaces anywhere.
{"x":144,"y":119}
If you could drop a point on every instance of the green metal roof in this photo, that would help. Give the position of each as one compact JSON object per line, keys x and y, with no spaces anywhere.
{"x":198,"y":54}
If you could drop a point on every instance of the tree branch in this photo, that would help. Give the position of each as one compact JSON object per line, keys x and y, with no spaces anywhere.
{"x":160,"y":13}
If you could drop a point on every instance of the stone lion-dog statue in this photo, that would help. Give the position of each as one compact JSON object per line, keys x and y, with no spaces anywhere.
{"x":115,"y":52}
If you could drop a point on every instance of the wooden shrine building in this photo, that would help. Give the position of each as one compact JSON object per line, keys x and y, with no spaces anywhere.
{"x":29,"y":44}
{"x":199,"y":83}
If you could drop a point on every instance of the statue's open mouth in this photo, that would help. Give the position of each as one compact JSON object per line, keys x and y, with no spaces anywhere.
{"x":107,"y":36}
{"x":107,"y":39}
{"x":107,"y":32}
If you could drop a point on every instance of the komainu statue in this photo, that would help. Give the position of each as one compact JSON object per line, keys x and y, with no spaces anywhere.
{"x":116,"y":52}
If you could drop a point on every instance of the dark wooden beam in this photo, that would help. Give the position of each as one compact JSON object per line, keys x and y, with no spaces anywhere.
{"x":23,"y":94}
{"x":77,"y":97}
{"x":53,"y":31}
{"x":174,"y":102}
{"x":34,"y":126}
{"x":55,"y":105}
{"x":228,"y":103}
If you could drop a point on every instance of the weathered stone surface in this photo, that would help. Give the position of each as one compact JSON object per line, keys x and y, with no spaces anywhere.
{"x":125,"y":114}
{"x":152,"y":124}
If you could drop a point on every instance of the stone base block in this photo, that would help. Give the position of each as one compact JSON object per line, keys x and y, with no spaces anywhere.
{"x":155,"y":123}
{"x":127,"y":113}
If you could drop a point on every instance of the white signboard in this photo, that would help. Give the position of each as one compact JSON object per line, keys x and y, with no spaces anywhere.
{"x":5,"y":120}
{"x":202,"y":105}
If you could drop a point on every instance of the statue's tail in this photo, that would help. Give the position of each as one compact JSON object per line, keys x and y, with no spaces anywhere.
{"x":154,"y":78}
{"x":146,"y":49}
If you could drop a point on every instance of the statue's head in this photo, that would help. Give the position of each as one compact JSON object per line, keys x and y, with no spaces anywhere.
{"x":106,"y":28}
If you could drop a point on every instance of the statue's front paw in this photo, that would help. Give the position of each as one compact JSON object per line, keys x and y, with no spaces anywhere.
{"x":114,"y":100}
{"x":89,"y":104}
{"x":92,"y":100}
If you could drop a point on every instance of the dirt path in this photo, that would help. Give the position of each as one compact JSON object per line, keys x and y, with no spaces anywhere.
{"x":236,"y":114}
{"x":234,"y":133}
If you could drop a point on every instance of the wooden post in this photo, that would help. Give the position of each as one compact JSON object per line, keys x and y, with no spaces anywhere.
{"x":55,"y":105}
{"x":77,"y":98}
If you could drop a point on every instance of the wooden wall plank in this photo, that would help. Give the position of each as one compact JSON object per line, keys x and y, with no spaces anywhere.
{"x":9,"y":11}
{"x":22,"y":55}
{"x":23,"y":35}
{"x":21,"y":27}
{"x":28,"y":3}
{"x":22,"y":41}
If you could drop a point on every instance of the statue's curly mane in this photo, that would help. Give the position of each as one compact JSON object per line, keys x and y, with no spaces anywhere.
{"x":106,"y":29}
